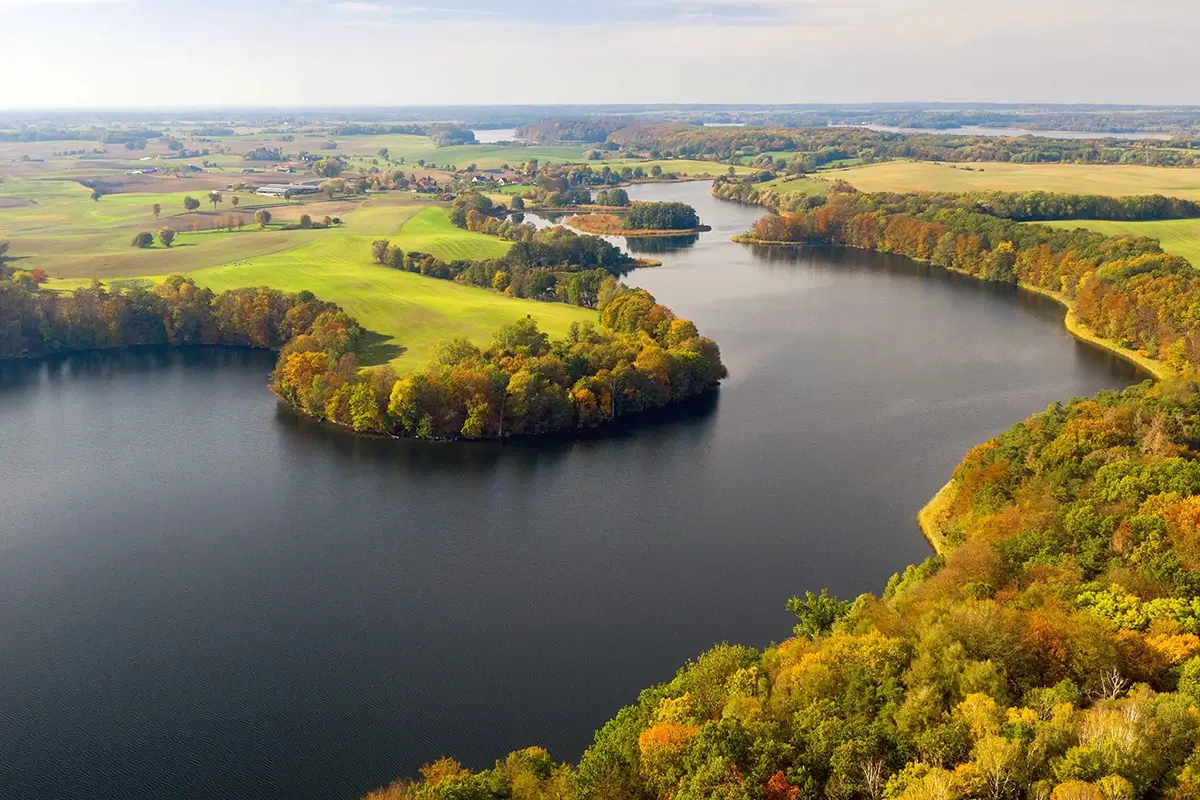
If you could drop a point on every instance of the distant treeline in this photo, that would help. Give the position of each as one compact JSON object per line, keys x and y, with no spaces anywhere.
{"x":585,"y":131}
{"x":641,"y":357}
{"x":815,"y":147}
{"x":378,"y":129}
{"x":450,"y":135}
{"x":1125,"y":288}
{"x":92,"y":134}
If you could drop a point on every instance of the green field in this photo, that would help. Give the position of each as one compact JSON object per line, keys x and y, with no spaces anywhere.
{"x":406,"y":312}
{"x":796,"y":185}
{"x":1180,"y":237}
{"x":1115,"y":180}
{"x":430,"y":231}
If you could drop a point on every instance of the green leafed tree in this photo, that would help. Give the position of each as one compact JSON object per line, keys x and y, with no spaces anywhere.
{"x":817,"y":613}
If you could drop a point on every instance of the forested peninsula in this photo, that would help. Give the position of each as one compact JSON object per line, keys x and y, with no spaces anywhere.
{"x":640,"y":357}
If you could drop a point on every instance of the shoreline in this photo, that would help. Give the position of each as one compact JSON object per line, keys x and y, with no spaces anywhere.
{"x":931,"y":519}
{"x":576,"y":223}
{"x":1071,"y":321}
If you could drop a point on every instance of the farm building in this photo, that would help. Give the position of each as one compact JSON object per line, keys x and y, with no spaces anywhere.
{"x":279,"y":189}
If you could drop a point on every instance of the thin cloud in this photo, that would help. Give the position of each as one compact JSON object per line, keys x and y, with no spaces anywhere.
{"x":29,"y":3}
{"x":360,"y":8}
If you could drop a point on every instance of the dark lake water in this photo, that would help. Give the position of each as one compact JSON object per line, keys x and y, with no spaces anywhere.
{"x":202,"y":596}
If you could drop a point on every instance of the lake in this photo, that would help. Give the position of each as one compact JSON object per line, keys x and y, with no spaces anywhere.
{"x":204,"y":596}
{"x":979,"y":130}
{"x":496,"y":135}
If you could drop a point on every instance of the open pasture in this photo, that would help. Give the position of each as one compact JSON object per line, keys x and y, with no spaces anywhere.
{"x":407,"y":313}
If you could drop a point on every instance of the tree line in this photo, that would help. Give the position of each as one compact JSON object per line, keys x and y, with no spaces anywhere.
{"x":1124,"y":288}
{"x":1037,"y":206}
{"x":640,"y":357}
{"x":176,"y":311}
{"x":661,"y":217}
{"x":818,"y":146}
{"x":552,"y":264}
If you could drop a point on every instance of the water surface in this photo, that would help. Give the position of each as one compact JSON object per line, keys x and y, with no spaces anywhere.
{"x":979,"y":130}
{"x":203,"y":596}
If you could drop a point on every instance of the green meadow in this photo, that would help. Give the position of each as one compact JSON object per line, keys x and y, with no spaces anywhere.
{"x":406,"y":313}
{"x":1179,"y":237}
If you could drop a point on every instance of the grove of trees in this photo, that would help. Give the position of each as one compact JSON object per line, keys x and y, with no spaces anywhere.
{"x":661,"y":217}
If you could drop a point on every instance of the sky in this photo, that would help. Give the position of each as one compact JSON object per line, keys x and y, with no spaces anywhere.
{"x":166,"y":53}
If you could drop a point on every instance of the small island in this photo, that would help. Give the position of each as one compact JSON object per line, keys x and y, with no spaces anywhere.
{"x":642,"y":219}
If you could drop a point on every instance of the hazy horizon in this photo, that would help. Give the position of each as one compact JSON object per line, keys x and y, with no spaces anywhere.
{"x":136,"y":54}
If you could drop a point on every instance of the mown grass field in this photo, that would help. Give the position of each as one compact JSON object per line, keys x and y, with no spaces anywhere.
{"x":1115,"y":180}
{"x":796,"y":185}
{"x":407,"y":312}
{"x":430,"y":231}
{"x":1180,"y":237}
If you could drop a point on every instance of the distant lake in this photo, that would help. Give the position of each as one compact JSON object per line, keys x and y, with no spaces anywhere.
{"x":204,"y":596}
{"x":976,"y":130}
{"x":494,"y":135}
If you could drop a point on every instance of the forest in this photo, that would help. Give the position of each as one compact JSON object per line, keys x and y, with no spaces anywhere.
{"x":176,"y":312}
{"x":640,"y":357}
{"x":1126,"y":289}
{"x":661,"y":217}
{"x":814,"y":147}
{"x":1049,"y":651}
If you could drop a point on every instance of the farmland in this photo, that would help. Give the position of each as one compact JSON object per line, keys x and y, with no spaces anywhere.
{"x":1116,"y":180}
{"x":54,"y":224}
{"x":1180,"y":237}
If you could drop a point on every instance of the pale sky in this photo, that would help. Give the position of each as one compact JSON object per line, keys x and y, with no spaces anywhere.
{"x":165,"y":53}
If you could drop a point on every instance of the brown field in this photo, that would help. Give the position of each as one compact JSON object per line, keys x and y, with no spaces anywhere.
{"x":1105,"y":179}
